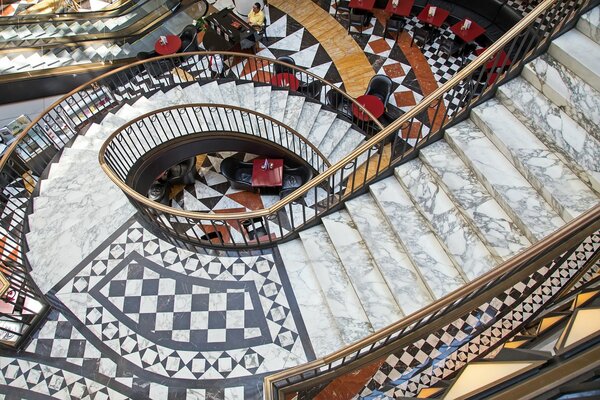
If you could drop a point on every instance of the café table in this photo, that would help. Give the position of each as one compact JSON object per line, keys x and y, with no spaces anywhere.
{"x":437,"y":19}
{"x":372,"y":103}
{"x":470,"y":34}
{"x":362,"y":4}
{"x":267,"y":177}
{"x":402,"y":9}
{"x":285,"y":79}
{"x":171,"y":47}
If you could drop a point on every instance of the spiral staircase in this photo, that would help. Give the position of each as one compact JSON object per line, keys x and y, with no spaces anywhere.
{"x":521,"y":166}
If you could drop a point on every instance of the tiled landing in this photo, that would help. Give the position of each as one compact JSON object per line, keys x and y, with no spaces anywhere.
{"x":139,"y":318}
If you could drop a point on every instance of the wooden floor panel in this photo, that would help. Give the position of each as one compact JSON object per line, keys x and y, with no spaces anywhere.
{"x":349,"y":59}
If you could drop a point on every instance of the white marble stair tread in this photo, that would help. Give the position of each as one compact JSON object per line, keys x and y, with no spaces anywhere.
{"x":334,"y":135}
{"x":278,"y":103}
{"x":212,"y":92}
{"x":542,"y":167}
{"x":501,"y":178}
{"x":320,"y":325}
{"x":589,"y":24}
{"x":246,"y":95}
{"x":406,"y":283}
{"x":87,"y":142}
{"x":502,"y":236}
{"x":580,"y":150}
{"x":568,"y":91}
{"x":450,"y":227}
{"x":54,"y":252}
{"x":350,"y":141}
{"x":423,"y":248}
{"x":382,"y":309}
{"x":72,"y":205}
{"x":579,"y":53}
{"x":293,"y":109}
{"x":307,"y":118}
{"x":321,"y":126}
{"x":262,"y":99}
{"x":229,"y":93}
{"x":341,"y":297}
{"x":195,"y":94}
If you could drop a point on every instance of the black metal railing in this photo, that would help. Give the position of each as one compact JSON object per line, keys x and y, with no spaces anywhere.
{"x":134,"y":141}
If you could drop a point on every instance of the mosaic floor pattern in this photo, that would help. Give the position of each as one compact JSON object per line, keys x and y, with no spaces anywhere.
{"x":140,"y":318}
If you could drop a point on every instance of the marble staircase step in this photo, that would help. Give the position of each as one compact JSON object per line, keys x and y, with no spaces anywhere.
{"x":321,"y":126}
{"x":351,"y":140}
{"x":246,"y":95}
{"x":453,"y":231}
{"x":334,"y":135}
{"x":229,"y":93}
{"x":589,"y":24}
{"x":381,"y":309}
{"x":578,"y":149}
{"x":501,"y":235}
{"x":404,"y":280}
{"x":212,"y":93}
{"x":307,"y":118}
{"x":568,"y":91}
{"x":348,"y":312}
{"x":262,"y":99}
{"x":579,"y":53}
{"x":319,"y":322}
{"x":293,"y":109}
{"x":559,"y":186}
{"x":195,"y":94}
{"x":516,"y":195}
{"x":278,"y":102}
{"x":421,"y":245}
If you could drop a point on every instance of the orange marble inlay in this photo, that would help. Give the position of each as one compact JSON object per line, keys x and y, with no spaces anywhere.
{"x":411,"y":131}
{"x":405,"y":99}
{"x":379,"y":45}
{"x":250,"y":200}
{"x":394,"y":70}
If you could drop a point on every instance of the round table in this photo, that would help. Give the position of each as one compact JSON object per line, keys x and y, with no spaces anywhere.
{"x":285,"y":79}
{"x":173,"y":45}
{"x":372,"y":103}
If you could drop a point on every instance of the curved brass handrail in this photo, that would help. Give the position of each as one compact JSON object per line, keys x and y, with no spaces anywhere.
{"x":152,"y":204}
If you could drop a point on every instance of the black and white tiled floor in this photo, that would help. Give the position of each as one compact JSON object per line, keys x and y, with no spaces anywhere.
{"x":140,"y":318}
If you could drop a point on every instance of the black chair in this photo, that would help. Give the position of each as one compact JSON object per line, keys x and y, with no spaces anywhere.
{"x":381,"y":87}
{"x":422,"y":36}
{"x":254,"y":228}
{"x":238,"y":173}
{"x":342,"y":6}
{"x":394,"y":24}
{"x":293,"y":178}
{"x":159,"y":192}
{"x":312,"y":89}
{"x":358,"y":19}
{"x":188,"y":39}
{"x":182,"y":173}
{"x":451,"y":47}
{"x":155,"y":68}
{"x":279,"y":69}
{"x":338,"y":102}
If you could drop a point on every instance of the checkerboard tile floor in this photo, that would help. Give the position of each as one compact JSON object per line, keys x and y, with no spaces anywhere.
{"x":140,"y":317}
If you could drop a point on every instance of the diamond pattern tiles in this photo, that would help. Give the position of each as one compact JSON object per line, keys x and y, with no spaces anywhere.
{"x":148,"y":319}
{"x":443,"y":353}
